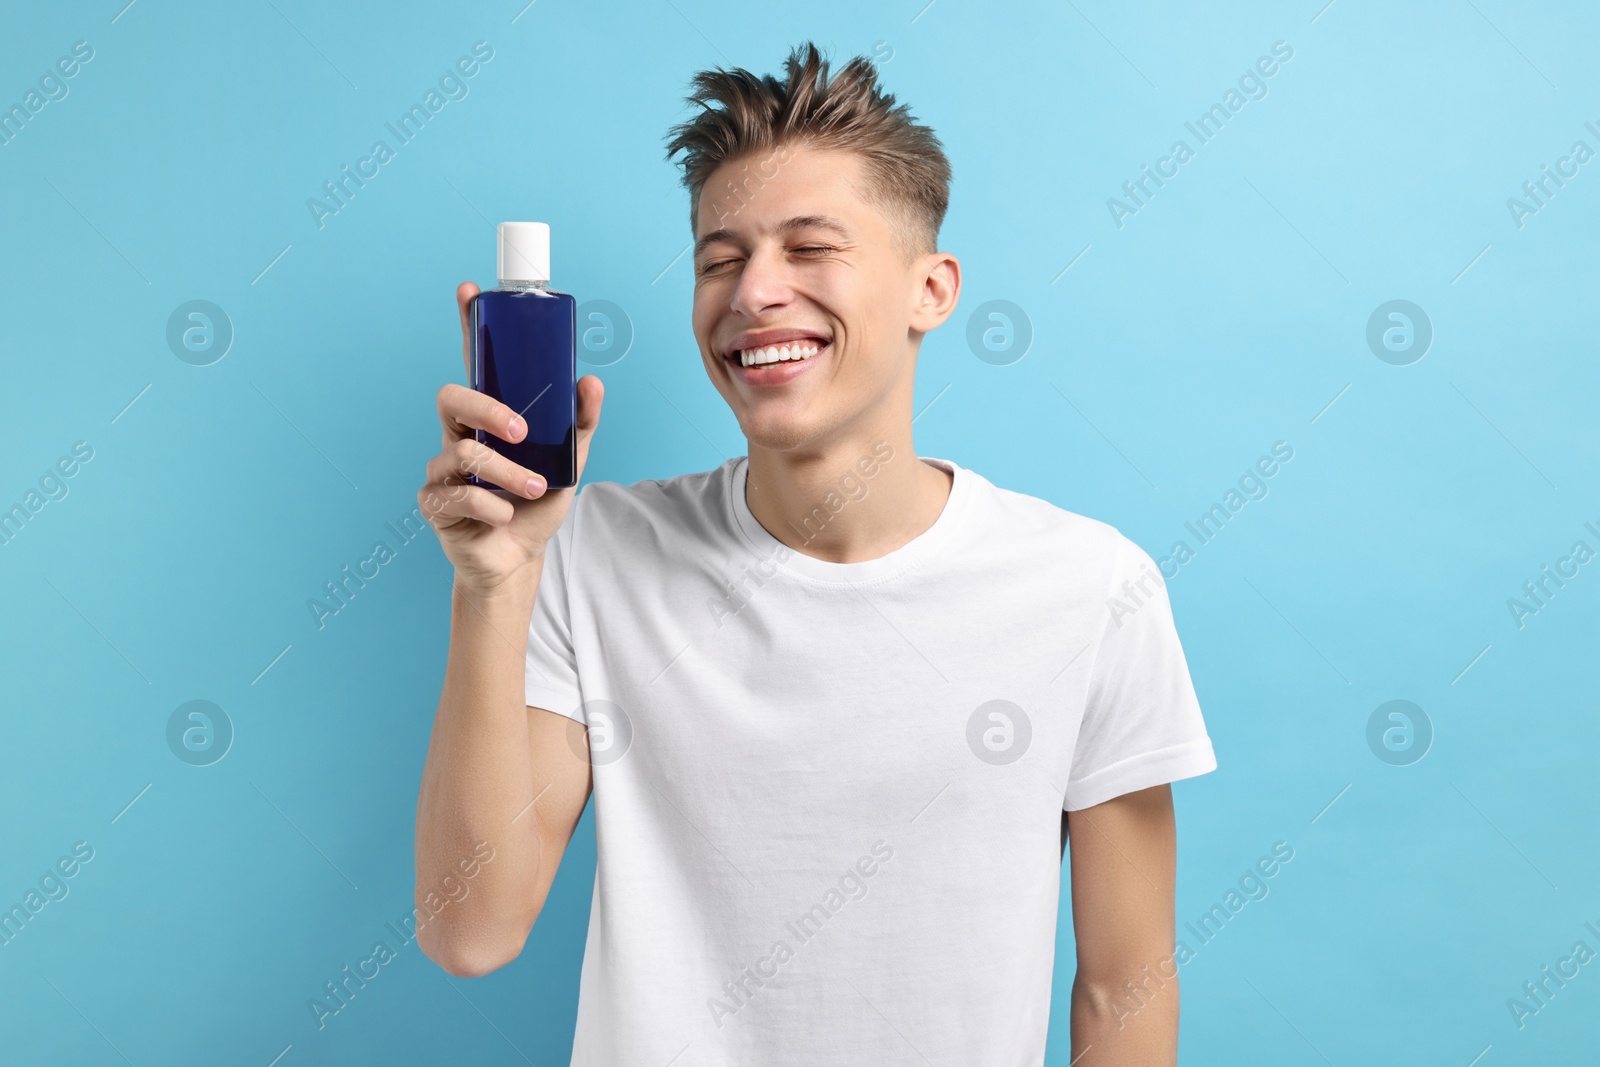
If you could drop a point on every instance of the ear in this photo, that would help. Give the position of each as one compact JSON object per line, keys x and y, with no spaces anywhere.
{"x":941,"y":288}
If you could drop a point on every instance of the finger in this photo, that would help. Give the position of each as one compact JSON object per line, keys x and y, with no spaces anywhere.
{"x":463,"y":410}
{"x":589,"y":398}
{"x":464,"y":294}
{"x":591,"y":392}
{"x":467,"y":457}
{"x":446,"y":507}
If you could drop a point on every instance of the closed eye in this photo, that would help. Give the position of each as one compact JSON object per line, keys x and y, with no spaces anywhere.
{"x":710,"y":267}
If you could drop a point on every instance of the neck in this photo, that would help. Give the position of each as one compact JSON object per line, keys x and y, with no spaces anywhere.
{"x":853,"y":501}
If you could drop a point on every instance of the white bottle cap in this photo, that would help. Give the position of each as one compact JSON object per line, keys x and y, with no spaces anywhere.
{"x":524,"y":252}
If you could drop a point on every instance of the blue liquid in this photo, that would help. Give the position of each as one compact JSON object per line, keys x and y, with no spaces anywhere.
{"x":524,"y":354}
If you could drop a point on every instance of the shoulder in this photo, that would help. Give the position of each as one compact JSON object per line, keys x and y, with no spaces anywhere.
{"x":1089,"y":543}
{"x":654,"y":492}
{"x":682,"y":502}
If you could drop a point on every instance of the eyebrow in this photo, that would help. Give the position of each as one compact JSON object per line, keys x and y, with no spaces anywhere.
{"x":799,"y":222}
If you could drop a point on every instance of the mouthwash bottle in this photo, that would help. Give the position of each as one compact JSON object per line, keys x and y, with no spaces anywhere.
{"x":524,"y":354}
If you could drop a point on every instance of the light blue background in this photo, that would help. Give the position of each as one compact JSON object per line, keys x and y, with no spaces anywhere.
{"x":1226,"y":315}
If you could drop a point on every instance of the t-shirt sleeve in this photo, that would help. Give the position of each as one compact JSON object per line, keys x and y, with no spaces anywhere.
{"x":1141,"y":721}
{"x":551,"y":668}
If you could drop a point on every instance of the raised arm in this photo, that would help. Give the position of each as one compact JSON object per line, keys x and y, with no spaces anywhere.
{"x":503,"y":784}
{"x":1125,"y":994}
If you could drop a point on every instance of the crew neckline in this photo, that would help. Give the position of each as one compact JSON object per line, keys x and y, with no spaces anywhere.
{"x":826,"y":572}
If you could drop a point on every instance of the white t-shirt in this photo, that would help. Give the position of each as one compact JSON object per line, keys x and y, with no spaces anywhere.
{"x":828,"y":796}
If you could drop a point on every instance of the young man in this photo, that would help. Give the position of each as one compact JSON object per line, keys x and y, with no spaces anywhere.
{"x":839,"y":705}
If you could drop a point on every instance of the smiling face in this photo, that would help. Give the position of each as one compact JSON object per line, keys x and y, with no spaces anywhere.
{"x":787,"y":249}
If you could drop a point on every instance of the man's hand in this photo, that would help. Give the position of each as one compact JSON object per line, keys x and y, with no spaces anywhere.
{"x":489,"y":537}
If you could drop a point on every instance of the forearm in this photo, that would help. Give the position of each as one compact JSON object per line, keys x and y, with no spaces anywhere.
{"x":477,"y":784}
{"x":1132,"y":1022}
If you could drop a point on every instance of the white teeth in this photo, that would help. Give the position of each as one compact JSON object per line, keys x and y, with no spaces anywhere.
{"x":751,"y":357}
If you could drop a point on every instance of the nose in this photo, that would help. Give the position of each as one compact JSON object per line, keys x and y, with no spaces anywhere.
{"x":763,"y":284}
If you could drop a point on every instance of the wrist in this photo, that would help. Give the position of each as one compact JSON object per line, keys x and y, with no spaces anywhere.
{"x":516,"y":589}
